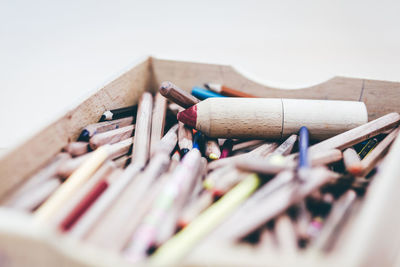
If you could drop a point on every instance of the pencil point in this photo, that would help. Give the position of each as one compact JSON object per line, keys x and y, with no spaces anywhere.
{"x":188,"y":116}
{"x":84,"y":135}
{"x":213,"y":156}
{"x":184,"y":152}
{"x":207,"y":184}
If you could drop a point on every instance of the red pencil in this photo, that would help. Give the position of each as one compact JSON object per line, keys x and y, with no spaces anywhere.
{"x":82,"y":206}
{"x":226,"y":149}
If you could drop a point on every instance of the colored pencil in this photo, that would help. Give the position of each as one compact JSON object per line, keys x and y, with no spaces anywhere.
{"x":259,"y":118}
{"x":123,"y":161}
{"x":141,"y":150}
{"x":202,"y":94}
{"x":113,"y":231}
{"x":181,"y":243}
{"x":71,"y":185}
{"x":37,"y":196}
{"x":104,"y":202}
{"x":372,"y":158}
{"x":182,"y":178}
{"x":286,"y":235}
{"x":352,"y":161}
{"x":227,"y":230}
{"x":276,"y":202}
{"x":32,"y":183}
{"x":158,"y":120}
{"x":325,"y":157}
{"x":76,"y":148}
{"x":268,"y":242}
{"x":274,"y":164}
{"x":303,"y":148}
{"x":368,"y":147}
{"x":261,"y":151}
{"x":226,"y":91}
{"x":185,"y":139}
{"x":116,"y":150}
{"x":171,"y":223}
{"x":104,"y":126}
{"x":247,"y":146}
{"x":335,"y":220}
{"x":195,"y":208}
{"x":198,"y":142}
{"x":168,"y":142}
{"x":266,"y":166}
{"x":88,"y":199}
{"x":66,"y":169}
{"x":118,"y":113}
{"x":177,"y":95}
{"x":104,"y":171}
{"x":359,"y":134}
{"x":286,"y":147}
{"x":212,"y":151}
{"x":111,"y":137}
{"x":226,"y":149}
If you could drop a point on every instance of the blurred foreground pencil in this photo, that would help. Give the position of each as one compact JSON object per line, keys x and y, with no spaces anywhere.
{"x":177,"y":187}
{"x":335,"y":220}
{"x":23,"y":192}
{"x":112,"y":231}
{"x":119,"y":113}
{"x":179,"y":245}
{"x":72,"y":184}
{"x":87,"y":195}
{"x":177,"y":95}
{"x":231,"y":117}
{"x":352,"y":161}
{"x":226,"y":91}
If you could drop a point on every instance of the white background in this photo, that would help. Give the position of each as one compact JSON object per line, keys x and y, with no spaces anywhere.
{"x":54,"y":52}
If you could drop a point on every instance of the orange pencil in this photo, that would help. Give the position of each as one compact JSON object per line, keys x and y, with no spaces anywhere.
{"x":226,"y":91}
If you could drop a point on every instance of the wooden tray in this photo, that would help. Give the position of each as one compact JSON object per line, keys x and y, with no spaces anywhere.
{"x":372,"y":237}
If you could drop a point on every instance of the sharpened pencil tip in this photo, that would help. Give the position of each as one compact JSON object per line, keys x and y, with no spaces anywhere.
{"x":184,"y":151}
{"x":213,"y":156}
{"x":188,"y":116}
{"x":207,"y":184}
{"x":84,"y":135}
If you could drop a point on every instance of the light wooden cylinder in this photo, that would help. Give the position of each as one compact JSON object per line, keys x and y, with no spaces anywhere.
{"x":277,"y":118}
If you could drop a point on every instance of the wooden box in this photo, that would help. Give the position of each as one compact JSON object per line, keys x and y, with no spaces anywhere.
{"x":372,"y":237}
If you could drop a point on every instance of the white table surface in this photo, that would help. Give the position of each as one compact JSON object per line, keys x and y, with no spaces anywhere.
{"x":54,"y":52}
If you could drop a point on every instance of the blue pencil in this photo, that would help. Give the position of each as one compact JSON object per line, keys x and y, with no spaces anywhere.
{"x":198,"y":141}
{"x":202,"y":94}
{"x":303,"y":147}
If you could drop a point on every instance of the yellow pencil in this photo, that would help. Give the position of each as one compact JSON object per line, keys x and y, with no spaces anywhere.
{"x":174,"y":249}
{"x":74,"y":182}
